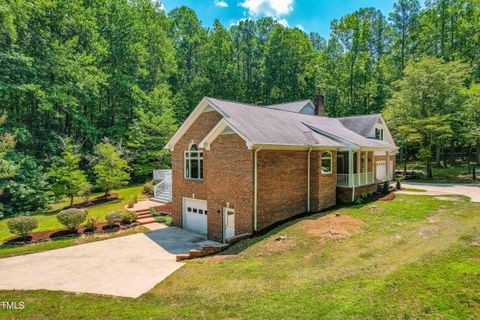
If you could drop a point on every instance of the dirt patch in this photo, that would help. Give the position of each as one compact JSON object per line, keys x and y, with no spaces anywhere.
{"x":454,"y":199}
{"x":388,"y":197}
{"x":427,"y":231}
{"x":333,"y":227}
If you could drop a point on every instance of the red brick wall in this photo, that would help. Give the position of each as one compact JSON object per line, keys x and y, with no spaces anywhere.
{"x":322,"y":186}
{"x":282,"y":185}
{"x":188,"y":188}
{"x":344,"y":195}
{"x":229,"y":168}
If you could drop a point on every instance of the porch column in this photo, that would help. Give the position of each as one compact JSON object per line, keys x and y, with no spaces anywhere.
{"x":365,"y":167}
{"x":350,"y":168}
{"x":359,"y":153}
{"x":387,"y":161}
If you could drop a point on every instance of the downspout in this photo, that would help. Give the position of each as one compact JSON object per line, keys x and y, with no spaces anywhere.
{"x":255,"y":191}
{"x":308,"y":180}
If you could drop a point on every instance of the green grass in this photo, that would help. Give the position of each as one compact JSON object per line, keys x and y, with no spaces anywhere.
{"x":413,"y":190}
{"x":8,"y":251}
{"x":458,"y":173}
{"x":48,"y":220}
{"x":416,"y":258}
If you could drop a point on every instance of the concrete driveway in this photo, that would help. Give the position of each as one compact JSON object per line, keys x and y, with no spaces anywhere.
{"x":471,"y":191}
{"x":127,"y":266}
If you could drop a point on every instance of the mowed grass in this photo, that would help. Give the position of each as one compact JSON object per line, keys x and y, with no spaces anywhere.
{"x":416,"y":257}
{"x":48,"y":220}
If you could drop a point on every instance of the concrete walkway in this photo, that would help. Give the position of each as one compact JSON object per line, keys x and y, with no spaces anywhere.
{"x":127,"y":266}
{"x":471,"y":191}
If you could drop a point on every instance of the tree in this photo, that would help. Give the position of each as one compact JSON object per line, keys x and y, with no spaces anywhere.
{"x":404,"y":19}
{"x":66,"y":177}
{"x":148,"y":135}
{"x":471,"y":117}
{"x":111,"y":170}
{"x":425,"y":100}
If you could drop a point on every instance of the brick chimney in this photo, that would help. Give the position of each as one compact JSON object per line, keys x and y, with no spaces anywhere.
{"x":319,"y":105}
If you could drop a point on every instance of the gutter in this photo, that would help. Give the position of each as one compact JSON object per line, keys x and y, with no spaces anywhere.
{"x":308,"y":179}
{"x":255,"y":191}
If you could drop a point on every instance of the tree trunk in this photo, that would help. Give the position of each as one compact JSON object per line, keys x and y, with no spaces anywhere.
{"x":405,"y":161}
{"x":437,"y":155}
{"x":452,"y":152}
{"x":429,"y":168}
{"x":478,"y":152}
{"x":71,"y":201}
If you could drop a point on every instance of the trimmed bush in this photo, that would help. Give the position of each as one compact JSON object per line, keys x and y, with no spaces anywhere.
{"x":148,"y":188}
{"x":22,"y":226}
{"x":399,"y":184}
{"x":386,"y":187}
{"x":72,"y":218}
{"x":129,"y":217}
{"x":114,"y":219}
{"x":91,"y":224}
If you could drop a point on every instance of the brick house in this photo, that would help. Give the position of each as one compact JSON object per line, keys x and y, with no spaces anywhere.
{"x":239,"y":168}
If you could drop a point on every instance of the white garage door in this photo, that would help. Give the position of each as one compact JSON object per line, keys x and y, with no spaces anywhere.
{"x":195,"y":215}
{"x":381,"y":170}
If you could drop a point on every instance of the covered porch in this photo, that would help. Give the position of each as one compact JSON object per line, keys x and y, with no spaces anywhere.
{"x":357,"y":168}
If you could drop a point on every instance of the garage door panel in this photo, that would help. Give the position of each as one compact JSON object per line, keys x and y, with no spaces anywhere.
{"x":195,"y":215}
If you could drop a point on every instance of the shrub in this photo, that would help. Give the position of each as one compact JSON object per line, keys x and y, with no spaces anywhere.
{"x":363,"y":196}
{"x":131,"y":204}
{"x":386,"y":187}
{"x":135,"y":199}
{"x":165,"y":219}
{"x":114,"y":218}
{"x":129,"y":217}
{"x":91,"y":224}
{"x":22,"y":226}
{"x":148,"y":188}
{"x":72,"y":218}
{"x":399,"y":184}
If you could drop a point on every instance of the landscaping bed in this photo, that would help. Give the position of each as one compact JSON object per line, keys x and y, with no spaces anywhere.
{"x":96,"y":201}
{"x":56,"y":234}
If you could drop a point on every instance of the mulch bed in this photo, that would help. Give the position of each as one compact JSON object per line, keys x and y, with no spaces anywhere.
{"x":98,"y":200}
{"x":48,"y":235}
{"x":388,"y":197}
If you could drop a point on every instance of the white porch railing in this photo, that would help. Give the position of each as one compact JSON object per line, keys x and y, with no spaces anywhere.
{"x":163,"y":189}
{"x":359,"y":179}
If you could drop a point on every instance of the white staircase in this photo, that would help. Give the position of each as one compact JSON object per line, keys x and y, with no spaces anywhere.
{"x":163,"y":188}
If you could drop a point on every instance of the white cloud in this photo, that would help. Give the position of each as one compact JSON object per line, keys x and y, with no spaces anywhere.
{"x":271,"y":8}
{"x":220,"y":3}
{"x":283,"y":22}
{"x":299,"y":26}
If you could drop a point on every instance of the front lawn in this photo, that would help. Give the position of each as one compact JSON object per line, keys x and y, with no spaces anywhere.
{"x":48,"y":220}
{"x":415,"y":257}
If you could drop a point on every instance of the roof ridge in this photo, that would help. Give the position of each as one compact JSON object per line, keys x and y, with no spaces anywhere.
{"x":268,"y":107}
{"x":360,"y":115}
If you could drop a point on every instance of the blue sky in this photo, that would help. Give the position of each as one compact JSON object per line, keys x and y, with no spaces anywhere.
{"x":309,"y":15}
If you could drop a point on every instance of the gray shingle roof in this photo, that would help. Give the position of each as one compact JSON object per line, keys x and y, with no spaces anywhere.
{"x":273,"y":126}
{"x":295,"y":106}
{"x":360,"y":124}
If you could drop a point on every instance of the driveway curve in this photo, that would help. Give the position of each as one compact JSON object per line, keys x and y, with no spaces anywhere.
{"x":470,"y":190}
{"x":126,"y":266}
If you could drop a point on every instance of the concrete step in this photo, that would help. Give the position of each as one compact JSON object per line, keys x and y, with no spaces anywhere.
{"x":146,"y":220}
{"x":144,"y":215}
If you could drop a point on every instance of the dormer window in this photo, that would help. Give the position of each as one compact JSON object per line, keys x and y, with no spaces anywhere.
{"x":193,"y":163}
{"x":378,"y":134}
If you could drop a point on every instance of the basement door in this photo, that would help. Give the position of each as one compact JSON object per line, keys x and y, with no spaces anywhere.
{"x":195,"y":215}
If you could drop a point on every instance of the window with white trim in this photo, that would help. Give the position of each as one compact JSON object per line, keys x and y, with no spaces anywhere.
{"x":326,"y":162}
{"x":193,"y":163}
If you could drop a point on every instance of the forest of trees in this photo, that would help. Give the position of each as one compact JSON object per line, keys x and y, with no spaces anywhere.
{"x":73,"y":73}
